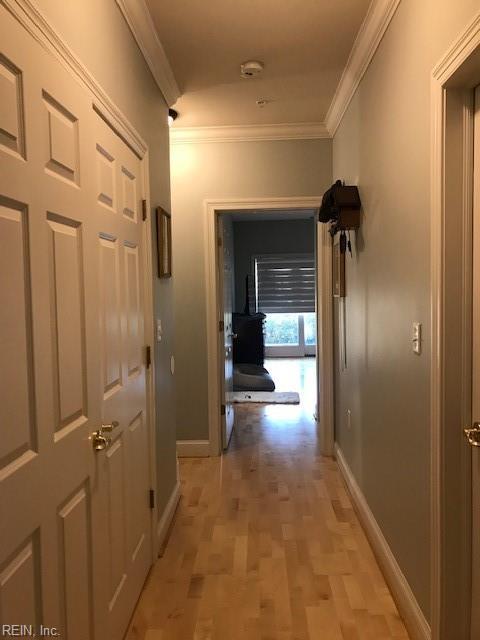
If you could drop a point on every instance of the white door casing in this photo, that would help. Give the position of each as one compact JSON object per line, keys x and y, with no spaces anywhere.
{"x":452,"y":118}
{"x":214,"y":208}
{"x":76,"y":545}
{"x":475,"y":618}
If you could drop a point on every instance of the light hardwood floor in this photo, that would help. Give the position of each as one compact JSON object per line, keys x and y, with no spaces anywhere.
{"x":265,"y":544}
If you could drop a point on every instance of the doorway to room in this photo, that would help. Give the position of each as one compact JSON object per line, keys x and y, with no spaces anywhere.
{"x":267,"y":277}
{"x":220,"y":334}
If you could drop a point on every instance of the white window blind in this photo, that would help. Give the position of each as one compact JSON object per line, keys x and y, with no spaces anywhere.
{"x":285,"y":283}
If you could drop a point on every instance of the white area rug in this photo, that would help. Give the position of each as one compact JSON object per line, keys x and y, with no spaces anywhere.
{"x":267,"y":397}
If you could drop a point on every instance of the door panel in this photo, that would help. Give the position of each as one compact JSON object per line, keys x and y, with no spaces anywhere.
{"x":68,"y":322}
{"x":76,"y":563}
{"x":226,"y":284}
{"x":17,"y":407}
{"x":75,"y":546}
{"x":126,"y":485}
{"x":110,"y":314}
{"x":475,"y":630}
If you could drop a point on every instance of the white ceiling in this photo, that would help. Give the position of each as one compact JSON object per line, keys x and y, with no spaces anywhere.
{"x":304,"y":45}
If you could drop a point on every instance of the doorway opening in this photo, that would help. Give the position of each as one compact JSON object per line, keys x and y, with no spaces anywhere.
{"x":266,"y":349}
{"x":274,"y":258}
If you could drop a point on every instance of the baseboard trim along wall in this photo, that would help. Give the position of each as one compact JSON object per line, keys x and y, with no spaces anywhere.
{"x":193,"y":448}
{"x":412,"y":615}
{"x":167,"y":518}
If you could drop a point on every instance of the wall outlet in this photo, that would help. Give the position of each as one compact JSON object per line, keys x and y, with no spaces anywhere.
{"x":349,"y":419}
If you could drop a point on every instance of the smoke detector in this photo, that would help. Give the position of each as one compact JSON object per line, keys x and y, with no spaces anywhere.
{"x":251,"y":69}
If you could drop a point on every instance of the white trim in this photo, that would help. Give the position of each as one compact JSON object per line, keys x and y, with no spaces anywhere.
{"x":168,"y":514}
{"x":466,"y":45}
{"x":409,"y":609}
{"x":193,"y":448}
{"x":28,"y":14}
{"x":212,"y":208}
{"x":379,"y":15}
{"x":248,"y":133}
{"x":141,"y":25}
{"x":459,"y":52}
{"x":325,"y":365}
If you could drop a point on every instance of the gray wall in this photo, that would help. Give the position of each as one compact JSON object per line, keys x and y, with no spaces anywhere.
{"x":267,"y":236}
{"x":111,"y":54}
{"x":383,"y":145}
{"x":223,"y":170}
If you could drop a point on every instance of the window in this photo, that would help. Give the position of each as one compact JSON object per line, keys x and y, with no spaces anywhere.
{"x":310,"y":325}
{"x":290,"y":334}
{"x":281,"y":329}
{"x":285,"y":283}
{"x":285,"y":292}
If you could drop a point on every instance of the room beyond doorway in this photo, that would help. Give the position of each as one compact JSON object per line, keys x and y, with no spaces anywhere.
{"x":296,"y":374}
{"x":267,"y":282}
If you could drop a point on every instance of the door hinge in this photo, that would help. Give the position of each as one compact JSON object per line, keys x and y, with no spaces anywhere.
{"x":148,"y":356}
{"x":222,"y":410}
{"x":221,"y":325}
{"x":151,"y":498}
{"x":144,"y":209}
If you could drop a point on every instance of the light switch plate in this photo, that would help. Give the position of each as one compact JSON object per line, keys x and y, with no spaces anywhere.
{"x":159,"y":330}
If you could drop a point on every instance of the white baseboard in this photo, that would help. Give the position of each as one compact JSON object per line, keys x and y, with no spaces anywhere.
{"x":193,"y":448}
{"x":167,"y":517}
{"x":407,"y":605}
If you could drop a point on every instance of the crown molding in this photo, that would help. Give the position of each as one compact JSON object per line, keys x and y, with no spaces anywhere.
{"x":379,"y":15}
{"x":141,"y":25}
{"x":249,"y":133}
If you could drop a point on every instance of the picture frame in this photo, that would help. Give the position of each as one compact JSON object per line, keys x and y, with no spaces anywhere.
{"x":338,"y":272}
{"x":164,"y":243}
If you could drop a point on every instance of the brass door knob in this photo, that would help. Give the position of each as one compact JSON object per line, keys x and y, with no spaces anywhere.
{"x":101,"y":441}
{"x":473,"y":434}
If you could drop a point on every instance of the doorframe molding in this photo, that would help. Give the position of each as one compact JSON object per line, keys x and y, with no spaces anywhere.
{"x":27,"y":13}
{"x":452,"y":82}
{"x":212,"y":209}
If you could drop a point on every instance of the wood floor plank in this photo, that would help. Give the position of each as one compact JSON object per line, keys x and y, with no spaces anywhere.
{"x":266,"y":546}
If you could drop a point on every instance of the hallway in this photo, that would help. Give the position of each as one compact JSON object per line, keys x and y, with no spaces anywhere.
{"x":265,"y":543}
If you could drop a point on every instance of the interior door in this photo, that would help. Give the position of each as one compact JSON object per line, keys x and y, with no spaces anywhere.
{"x":475,"y":631}
{"x":120,"y":502}
{"x":226,"y":284}
{"x":75,"y":522}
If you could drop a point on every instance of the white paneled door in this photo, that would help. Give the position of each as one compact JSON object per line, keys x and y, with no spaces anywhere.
{"x":475,"y":438}
{"x":75,"y":543}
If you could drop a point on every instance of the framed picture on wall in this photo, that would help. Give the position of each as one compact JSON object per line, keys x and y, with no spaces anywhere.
{"x":164,"y":243}
{"x":338,"y":272}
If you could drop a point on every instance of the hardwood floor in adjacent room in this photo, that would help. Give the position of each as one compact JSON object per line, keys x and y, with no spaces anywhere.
{"x":265,"y":544}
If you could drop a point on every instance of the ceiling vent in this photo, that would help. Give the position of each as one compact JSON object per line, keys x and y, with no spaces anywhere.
{"x":251,"y":69}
